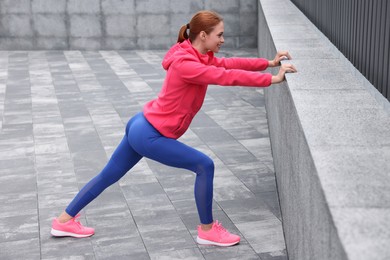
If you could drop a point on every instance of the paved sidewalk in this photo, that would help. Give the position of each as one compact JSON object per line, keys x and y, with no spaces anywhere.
{"x":62,"y":115}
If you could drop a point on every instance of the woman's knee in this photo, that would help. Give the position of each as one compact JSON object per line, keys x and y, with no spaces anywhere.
{"x":206,"y":166}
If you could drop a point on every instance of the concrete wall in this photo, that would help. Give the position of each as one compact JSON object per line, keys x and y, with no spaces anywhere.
{"x":115,"y":24}
{"x":331,"y":145}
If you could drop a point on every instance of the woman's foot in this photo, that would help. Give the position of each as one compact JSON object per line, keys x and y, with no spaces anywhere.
{"x":71,"y":228}
{"x":217,"y":236}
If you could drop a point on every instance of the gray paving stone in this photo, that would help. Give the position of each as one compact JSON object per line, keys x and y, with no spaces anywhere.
{"x":12,"y":183}
{"x":279,"y":255}
{"x":232,"y":152}
{"x":56,"y":200}
{"x":18,"y":204}
{"x":19,"y":227}
{"x":59,"y":162}
{"x":203,"y":120}
{"x":265,"y":236}
{"x":149,"y":209}
{"x":63,"y":113}
{"x":244,"y":252}
{"x":179,"y":187}
{"x":188,"y":253}
{"x":52,"y":248}
{"x":246,"y":210}
{"x":166,"y":236}
{"x":20,"y":249}
{"x":213,"y":135}
{"x":120,"y":248}
{"x":91,"y":161}
{"x":139,"y":191}
{"x":272,"y":200}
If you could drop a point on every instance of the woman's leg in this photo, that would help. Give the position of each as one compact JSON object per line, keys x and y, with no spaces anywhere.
{"x":151,"y":144}
{"x":122,"y":160}
{"x":174,"y":153}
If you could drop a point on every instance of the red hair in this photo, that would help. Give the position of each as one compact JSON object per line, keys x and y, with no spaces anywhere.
{"x":201,"y":21}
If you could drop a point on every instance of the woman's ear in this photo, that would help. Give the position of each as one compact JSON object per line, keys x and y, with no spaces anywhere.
{"x":202,"y":35}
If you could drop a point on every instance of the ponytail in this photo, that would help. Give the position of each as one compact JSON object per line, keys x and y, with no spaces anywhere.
{"x":183,"y":33}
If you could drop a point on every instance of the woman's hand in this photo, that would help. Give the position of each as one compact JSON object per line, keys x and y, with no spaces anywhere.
{"x":280,"y":55}
{"x":284,"y":68}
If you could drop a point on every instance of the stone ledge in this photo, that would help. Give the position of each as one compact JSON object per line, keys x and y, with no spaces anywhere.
{"x":330,"y":135}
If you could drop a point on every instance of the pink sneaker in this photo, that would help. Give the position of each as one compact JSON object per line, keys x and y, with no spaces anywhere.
{"x":217,"y":235}
{"x":71,"y":228}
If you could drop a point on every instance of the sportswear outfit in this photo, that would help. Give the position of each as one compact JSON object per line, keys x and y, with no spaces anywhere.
{"x":153,"y":133}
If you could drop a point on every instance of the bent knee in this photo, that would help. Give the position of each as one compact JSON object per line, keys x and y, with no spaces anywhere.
{"x":206,"y":166}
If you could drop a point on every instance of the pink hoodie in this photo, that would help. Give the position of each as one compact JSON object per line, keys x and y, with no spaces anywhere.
{"x":184,"y":89}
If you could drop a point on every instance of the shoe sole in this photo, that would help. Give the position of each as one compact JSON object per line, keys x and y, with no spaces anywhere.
{"x":208,"y":242}
{"x":58,"y":233}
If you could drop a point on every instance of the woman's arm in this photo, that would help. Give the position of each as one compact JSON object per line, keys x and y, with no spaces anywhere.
{"x":250,"y":64}
{"x":194,"y":72}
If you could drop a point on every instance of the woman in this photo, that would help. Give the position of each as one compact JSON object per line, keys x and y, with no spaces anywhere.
{"x":153,"y":133}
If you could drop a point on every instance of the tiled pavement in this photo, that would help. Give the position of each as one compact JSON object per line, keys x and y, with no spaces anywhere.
{"x":63,"y":113}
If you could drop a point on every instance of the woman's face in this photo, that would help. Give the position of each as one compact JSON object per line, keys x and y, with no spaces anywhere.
{"x":214,"y":40}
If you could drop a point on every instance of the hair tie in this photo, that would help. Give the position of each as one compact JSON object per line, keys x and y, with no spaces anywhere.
{"x":188,"y":26}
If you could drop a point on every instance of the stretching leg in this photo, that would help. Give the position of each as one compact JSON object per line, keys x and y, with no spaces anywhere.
{"x":122,"y":160}
{"x":151,"y":144}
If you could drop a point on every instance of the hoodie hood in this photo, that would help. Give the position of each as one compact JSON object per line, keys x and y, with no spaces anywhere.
{"x":185,"y":50}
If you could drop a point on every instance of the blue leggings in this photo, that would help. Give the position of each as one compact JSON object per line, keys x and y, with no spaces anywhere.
{"x":142,"y":139}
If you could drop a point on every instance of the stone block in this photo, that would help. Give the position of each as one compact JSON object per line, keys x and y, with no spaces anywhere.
{"x":246,"y":42}
{"x":152,"y":6}
{"x":16,"y":25}
{"x":248,"y":24}
{"x":152,"y":25}
{"x":85,"y":43}
{"x":249,"y":6}
{"x":50,"y":25}
{"x":223,"y":6}
{"x":186,"y":7}
{"x":121,"y":25}
{"x":51,"y":43}
{"x":83,"y":7}
{"x":118,"y":7}
{"x":118,"y":43}
{"x":44,"y":6}
{"x":231,"y":24}
{"x":160,"y":42}
{"x":85,"y":26}
{"x":15,"y":7}
{"x":177,"y":21}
